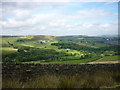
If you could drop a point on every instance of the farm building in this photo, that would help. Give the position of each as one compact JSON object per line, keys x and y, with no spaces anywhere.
{"x":41,"y":41}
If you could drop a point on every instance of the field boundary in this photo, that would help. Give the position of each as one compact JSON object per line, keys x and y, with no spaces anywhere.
{"x":30,"y":70}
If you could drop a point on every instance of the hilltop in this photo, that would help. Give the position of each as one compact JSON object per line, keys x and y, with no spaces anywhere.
{"x":38,"y":37}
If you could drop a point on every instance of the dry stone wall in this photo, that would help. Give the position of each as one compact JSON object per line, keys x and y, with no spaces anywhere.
{"x":31,"y":70}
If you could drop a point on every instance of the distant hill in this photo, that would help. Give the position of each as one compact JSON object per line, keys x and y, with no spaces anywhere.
{"x":37,"y":37}
{"x":108,"y":39}
{"x":8,"y":36}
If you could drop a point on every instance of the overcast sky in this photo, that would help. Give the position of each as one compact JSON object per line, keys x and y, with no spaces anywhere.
{"x":59,"y":17}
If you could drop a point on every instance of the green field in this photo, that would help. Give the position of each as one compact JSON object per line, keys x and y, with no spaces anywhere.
{"x":110,"y":58}
{"x":67,"y":62}
{"x":8,"y":50}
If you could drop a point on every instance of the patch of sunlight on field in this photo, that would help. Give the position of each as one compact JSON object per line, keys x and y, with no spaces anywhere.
{"x":53,"y":41}
{"x":7,"y":50}
{"x":39,"y":45}
{"x":27,"y":37}
{"x":78,"y":53}
{"x":38,"y":37}
{"x":27,"y":45}
{"x":73,"y":51}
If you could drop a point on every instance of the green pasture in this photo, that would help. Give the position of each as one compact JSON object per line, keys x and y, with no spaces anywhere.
{"x":5,"y":40}
{"x":110,"y":58}
{"x":67,"y":62}
{"x":31,"y":43}
{"x":8,"y":50}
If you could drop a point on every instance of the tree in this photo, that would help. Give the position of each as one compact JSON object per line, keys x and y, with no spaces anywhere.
{"x":20,"y":50}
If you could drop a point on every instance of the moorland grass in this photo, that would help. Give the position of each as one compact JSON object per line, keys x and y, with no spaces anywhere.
{"x":97,"y":80}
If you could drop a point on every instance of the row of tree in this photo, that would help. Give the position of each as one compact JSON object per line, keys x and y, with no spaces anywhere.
{"x":78,"y":47}
{"x":26,"y":54}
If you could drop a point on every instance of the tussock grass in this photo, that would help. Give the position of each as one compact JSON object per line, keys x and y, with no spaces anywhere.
{"x":96,"y":80}
{"x":9,"y":83}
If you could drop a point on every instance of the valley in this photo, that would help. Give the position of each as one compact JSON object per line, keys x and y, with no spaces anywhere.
{"x":59,"y":49}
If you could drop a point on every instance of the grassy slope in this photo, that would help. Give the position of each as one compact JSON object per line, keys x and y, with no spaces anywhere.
{"x":10,"y":39}
{"x":8,"y":50}
{"x":31,"y":43}
{"x":110,"y":58}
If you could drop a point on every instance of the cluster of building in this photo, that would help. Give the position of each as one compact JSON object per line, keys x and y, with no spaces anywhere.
{"x":42,"y":41}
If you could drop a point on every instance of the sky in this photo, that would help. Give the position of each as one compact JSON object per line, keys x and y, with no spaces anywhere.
{"x":59,"y":17}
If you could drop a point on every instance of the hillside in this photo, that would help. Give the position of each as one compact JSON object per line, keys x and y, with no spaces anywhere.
{"x":62,"y":49}
{"x":38,"y":37}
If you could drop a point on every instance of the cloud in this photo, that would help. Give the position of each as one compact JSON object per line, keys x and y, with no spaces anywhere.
{"x":10,"y":6}
{"x":23,"y":7}
{"x":59,"y":23}
{"x":23,"y":17}
{"x":65,"y":29}
{"x":84,"y":21}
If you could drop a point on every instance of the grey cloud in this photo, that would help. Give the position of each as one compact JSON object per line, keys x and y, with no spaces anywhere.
{"x":9,"y":7}
{"x":31,"y":5}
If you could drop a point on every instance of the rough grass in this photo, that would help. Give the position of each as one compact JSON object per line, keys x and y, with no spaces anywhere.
{"x":97,"y":80}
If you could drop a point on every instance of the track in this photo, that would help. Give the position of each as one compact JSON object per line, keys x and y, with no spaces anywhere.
{"x":102,"y":62}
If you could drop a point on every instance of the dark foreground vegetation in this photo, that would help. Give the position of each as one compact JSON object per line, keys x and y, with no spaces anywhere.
{"x":19,"y":75}
{"x":96,"y":80}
